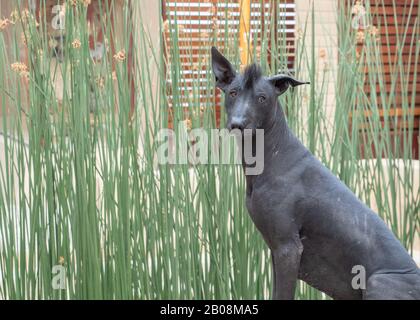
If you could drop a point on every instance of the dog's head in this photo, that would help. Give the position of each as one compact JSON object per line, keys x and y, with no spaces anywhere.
{"x":250,"y":98}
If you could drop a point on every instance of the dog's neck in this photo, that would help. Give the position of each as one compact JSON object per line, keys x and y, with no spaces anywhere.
{"x":278,"y":141}
{"x":277,"y":134}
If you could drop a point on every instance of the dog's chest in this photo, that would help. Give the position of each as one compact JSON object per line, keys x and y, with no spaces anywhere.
{"x":266,"y":196}
{"x":264,"y":208}
{"x":271,"y":206}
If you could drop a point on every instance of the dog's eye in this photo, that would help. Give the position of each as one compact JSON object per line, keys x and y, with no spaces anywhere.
{"x":233,"y":93}
{"x":261,"y":99}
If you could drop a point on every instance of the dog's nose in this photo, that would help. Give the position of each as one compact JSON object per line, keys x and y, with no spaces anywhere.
{"x":237,"y":123}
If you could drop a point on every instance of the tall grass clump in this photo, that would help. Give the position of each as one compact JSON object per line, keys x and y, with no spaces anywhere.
{"x":79,"y":183}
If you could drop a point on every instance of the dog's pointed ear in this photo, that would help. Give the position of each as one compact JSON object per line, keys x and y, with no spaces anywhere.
{"x":282,"y":82}
{"x":222,"y":69}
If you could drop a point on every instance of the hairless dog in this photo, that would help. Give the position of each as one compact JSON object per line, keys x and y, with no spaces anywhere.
{"x":316,"y":228}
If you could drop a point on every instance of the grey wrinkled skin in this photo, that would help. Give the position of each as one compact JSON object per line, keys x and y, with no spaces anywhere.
{"x":316,"y":228}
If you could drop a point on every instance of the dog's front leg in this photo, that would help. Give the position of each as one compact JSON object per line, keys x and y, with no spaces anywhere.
{"x":286,"y":261}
